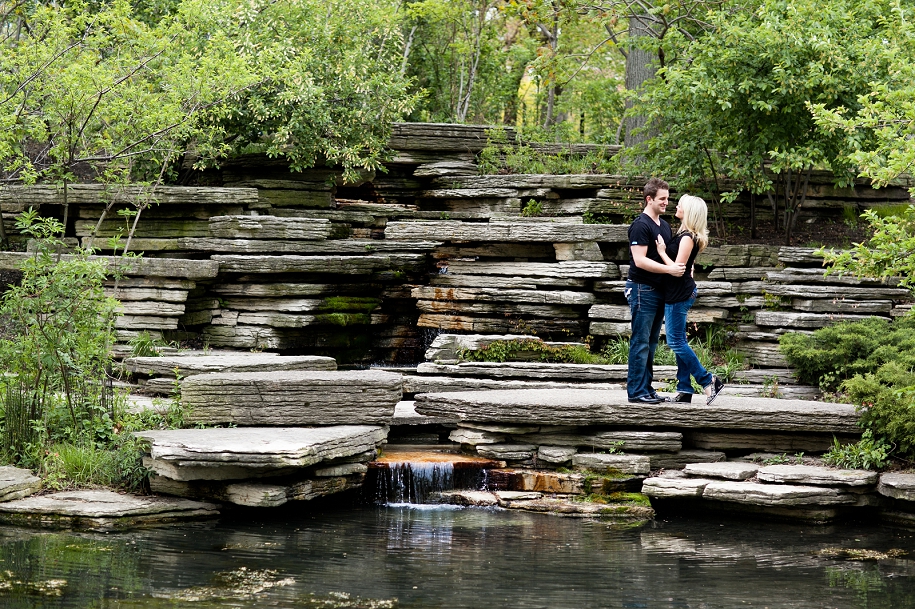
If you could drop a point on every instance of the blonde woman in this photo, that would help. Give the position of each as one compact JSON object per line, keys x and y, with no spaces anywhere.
{"x":679,"y":295}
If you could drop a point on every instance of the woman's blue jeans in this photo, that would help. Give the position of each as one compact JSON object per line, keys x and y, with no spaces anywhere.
{"x":687,"y":363}
{"x":646,"y":305}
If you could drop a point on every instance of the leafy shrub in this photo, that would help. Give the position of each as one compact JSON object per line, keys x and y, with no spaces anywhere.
{"x":868,"y":453}
{"x":887,"y":403}
{"x":836,"y":353}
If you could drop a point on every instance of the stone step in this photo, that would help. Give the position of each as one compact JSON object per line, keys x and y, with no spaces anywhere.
{"x":538,"y":371}
{"x":439,"y":384}
{"x":238,"y":453}
{"x":229,"y":361}
{"x":451,"y":230}
{"x":101,"y":510}
{"x":16,"y":483}
{"x":591,"y":407}
{"x":292,"y":397}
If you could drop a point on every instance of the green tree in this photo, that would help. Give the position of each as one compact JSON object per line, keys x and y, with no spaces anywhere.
{"x":736,"y":103}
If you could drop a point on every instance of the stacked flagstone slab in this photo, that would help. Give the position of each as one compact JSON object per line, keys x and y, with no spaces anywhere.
{"x":514,"y":276}
{"x":261,"y":466}
{"x":101,"y":510}
{"x":152,"y":292}
{"x":898,"y":492}
{"x":803,"y":492}
{"x":556,"y":427}
{"x":295,"y":434}
{"x":160,"y":374}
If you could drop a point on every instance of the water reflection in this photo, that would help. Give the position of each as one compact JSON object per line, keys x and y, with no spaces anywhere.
{"x":334,"y":555}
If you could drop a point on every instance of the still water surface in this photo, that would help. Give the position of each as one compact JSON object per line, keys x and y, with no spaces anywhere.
{"x":333,"y":555}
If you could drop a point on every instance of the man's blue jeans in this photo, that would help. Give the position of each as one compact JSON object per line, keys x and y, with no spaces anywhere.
{"x":688,"y":364}
{"x":646,"y":305}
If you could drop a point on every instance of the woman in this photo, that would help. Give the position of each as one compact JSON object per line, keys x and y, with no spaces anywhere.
{"x":679,"y":295}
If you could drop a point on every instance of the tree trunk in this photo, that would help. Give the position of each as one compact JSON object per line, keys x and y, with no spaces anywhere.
{"x":639,"y":70}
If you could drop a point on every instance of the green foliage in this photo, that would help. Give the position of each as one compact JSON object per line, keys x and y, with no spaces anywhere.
{"x":736,"y":103}
{"x":62,"y":324}
{"x":532,"y":209}
{"x":145,"y":345}
{"x":833,"y":354}
{"x":867,"y":453}
{"x":513,"y":350}
{"x":888,"y":254}
{"x":501,"y":156}
{"x":887,"y":403}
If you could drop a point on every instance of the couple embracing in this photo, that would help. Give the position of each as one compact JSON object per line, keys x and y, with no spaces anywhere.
{"x":661,"y":287}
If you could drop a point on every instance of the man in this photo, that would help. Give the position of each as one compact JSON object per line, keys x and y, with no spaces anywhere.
{"x":645,"y":290}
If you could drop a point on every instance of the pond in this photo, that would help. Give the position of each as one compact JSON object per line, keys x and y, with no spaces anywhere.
{"x":333,"y":554}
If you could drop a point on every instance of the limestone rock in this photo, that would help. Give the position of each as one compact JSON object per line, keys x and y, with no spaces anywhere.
{"x":601,"y":462}
{"x":588,"y":407}
{"x":507,"y":452}
{"x":470,"y":498}
{"x":243,"y":452}
{"x":728,"y":470}
{"x":666,"y":488}
{"x":16,"y":483}
{"x":257,"y":494}
{"x":677,"y":461}
{"x":765,"y":442}
{"x":229,"y":361}
{"x":632,"y":441}
{"x":475,"y":438}
{"x":817,"y":476}
{"x":528,"y":297}
{"x":269,"y":227}
{"x":897,"y":486}
{"x":452,"y":230}
{"x":292,"y":397}
{"x":101,"y":510}
{"x":439,"y":384}
{"x":537,"y":370}
{"x":775,"y":494}
{"x":556,"y":454}
{"x":405,"y":414}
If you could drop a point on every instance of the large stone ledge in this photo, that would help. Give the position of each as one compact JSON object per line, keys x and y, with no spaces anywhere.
{"x":101,"y":510}
{"x":590,"y":407}
{"x":237,"y":453}
{"x":231,"y":361}
{"x":293,"y":397}
{"x":559,"y":232}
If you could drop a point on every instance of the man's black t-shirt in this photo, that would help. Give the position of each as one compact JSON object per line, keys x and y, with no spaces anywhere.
{"x":645,"y":232}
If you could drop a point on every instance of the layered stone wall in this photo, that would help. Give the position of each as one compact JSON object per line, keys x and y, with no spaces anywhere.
{"x":367,"y":271}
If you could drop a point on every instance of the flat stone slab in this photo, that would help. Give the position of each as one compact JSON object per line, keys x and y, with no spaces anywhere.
{"x":591,"y":407}
{"x":232,"y":361}
{"x":101,"y":509}
{"x":293,"y":397}
{"x":775,"y":494}
{"x":256,"y":494}
{"x":897,"y":486}
{"x":538,"y":371}
{"x":679,"y":460}
{"x":765,"y":442}
{"x":817,"y":476}
{"x":441,"y":384}
{"x":243,"y":452}
{"x":507,"y":452}
{"x":629,"y":441}
{"x":16,"y":483}
{"x":626,"y":464}
{"x":667,"y":488}
{"x":405,"y":414}
{"x":728,"y":470}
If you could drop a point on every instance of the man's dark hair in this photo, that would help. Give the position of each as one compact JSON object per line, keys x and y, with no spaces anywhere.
{"x":652,"y":187}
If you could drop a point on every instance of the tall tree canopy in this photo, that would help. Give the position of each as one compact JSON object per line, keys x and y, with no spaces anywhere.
{"x":737,"y":102}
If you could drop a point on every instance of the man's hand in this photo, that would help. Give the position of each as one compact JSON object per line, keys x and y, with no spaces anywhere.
{"x":676,"y":270}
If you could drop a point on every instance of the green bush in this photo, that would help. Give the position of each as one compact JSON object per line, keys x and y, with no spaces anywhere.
{"x":868,"y":453}
{"x":833,"y":354}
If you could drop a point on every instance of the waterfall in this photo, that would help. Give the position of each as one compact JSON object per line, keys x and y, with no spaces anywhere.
{"x":413,"y":482}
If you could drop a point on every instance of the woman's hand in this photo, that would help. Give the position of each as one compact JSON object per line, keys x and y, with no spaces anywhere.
{"x":662,"y":247}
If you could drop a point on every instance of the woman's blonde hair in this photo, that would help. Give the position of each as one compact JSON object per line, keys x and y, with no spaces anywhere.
{"x":695,"y":219}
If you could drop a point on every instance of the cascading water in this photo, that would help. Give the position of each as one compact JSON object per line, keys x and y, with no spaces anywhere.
{"x":416,"y":476}
{"x":407,"y":482}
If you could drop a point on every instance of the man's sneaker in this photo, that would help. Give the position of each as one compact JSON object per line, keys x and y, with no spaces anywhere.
{"x":717,"y":385}
{"x":681,"y":398}
{"x":646,"y":399}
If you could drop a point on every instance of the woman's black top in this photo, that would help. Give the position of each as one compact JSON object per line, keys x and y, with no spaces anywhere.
{"x":678,"y":289}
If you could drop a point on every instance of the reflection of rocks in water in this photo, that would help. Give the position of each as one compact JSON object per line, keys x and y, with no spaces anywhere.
{"x":47,"y":587}
{"x":239,"y":584}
